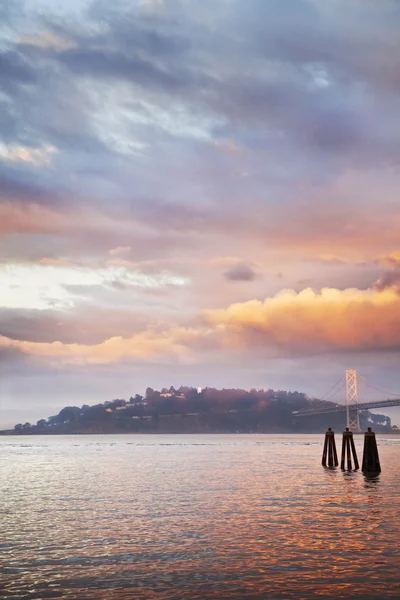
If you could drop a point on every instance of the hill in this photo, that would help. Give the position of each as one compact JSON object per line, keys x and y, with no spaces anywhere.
{"x":189,"y":410}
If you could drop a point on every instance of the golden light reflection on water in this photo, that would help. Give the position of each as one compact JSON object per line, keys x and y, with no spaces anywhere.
{"x":175,"y":517}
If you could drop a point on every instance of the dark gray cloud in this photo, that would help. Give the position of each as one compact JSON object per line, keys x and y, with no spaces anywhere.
{"x":15,"y":68}
{"x":292,"y":49}
{"x":116,"y":65}
{"x":273,"y":77}
{"x":240,"y":272}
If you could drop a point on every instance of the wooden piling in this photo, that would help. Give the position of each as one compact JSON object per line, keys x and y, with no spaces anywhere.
{"x":343,"y":452}
{"x":353,"y":448}
{"x":325,"y":450}
{"x":335,"y":458}
{"x":348,"y":451}
{"x":370,"y":462}
{"x":329,"y":450}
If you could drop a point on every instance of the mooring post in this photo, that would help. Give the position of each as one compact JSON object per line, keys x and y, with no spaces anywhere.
{"x":329,"y":449}
{"x":335,"y":458}
{"x":330,"y":452}
{"x":348,"y":449}
{"x":342,"y":458}
{"x":353,"y":448}
{"x":325,"y":450}
{"x":370,"y":462}
{"x":348,"y":453}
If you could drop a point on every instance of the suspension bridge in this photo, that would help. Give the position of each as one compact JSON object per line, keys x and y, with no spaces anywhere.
{"x":351,"y":383}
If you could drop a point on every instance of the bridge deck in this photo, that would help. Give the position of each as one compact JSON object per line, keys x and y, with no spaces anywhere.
{"x":342,"y":407}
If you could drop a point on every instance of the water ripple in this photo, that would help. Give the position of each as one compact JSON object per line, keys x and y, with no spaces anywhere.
{"x":199,"y":517}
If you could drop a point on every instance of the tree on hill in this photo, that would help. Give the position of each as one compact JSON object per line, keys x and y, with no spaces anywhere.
{"x":69,"y":414}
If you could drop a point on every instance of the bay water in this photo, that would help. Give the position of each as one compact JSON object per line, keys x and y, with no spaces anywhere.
{"x":196,"y":517}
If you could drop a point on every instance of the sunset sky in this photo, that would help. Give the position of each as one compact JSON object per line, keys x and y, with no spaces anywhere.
{"x":197,"y":192}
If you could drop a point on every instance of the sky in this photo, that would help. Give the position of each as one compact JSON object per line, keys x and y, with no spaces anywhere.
{"x":197,"y":192}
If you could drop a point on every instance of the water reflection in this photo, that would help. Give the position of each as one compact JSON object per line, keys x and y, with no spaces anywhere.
{"x":371,"y":481}
{"x":200,"y":517}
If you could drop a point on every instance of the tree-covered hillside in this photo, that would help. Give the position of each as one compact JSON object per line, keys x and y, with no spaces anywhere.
{"x":188,"y":409}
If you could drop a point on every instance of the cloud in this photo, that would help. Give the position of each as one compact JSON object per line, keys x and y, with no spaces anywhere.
{"x":15,"y":69}
{"x":35,"y":156}
{"x":330,"y":320}
{"x":31,"y":218}
{"x":47,"y":39}
{"x":116,"y":65}
{"x":224,"y":261}
{"x":153,"y":4}
{"x":227,"y":146}
{"x":390,"y":280}
{"x":240,"y":272}
{"x":53,"y":285}
{"x":120,"y":251}
{"x":301,"y":81}
{"x":88,"y":323}
{"x":287,"y":324}
{"x":145,"y":345}
{"x":55,"y":261}
{"x":391,"y":260}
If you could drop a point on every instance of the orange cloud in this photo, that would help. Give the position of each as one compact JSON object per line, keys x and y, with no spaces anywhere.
{"x":391,"y":260}
{"x":331,"y":319}
{"x":147,"y":344}
{"x":224,"y":261}
{"x":289,"y":324}
{"x":120,"y":250}
{"x":58,"y":262}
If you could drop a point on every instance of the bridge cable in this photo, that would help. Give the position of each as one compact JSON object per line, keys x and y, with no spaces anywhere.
{"x":329,"y":394}
{"x":329,"y":398}
{"x":333,"y":387}
{"x":377,"y":389}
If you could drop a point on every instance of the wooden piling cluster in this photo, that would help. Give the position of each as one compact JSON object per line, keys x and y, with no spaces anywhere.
{"x":330,"y":450}
{"x":348,"y":450}
{"x":370,"y":462}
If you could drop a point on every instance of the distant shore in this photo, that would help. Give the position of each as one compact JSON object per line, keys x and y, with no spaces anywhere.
{"x":177,"y":431}
{"x":203,"y":411}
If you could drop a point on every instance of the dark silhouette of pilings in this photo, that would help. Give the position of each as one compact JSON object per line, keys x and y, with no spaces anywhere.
{"x":348,"y":450}
{"x":370,"y":462}
{"x":330,"y":450}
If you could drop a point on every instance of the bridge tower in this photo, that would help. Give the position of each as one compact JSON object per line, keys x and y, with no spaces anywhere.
{"x":353,"y":417}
